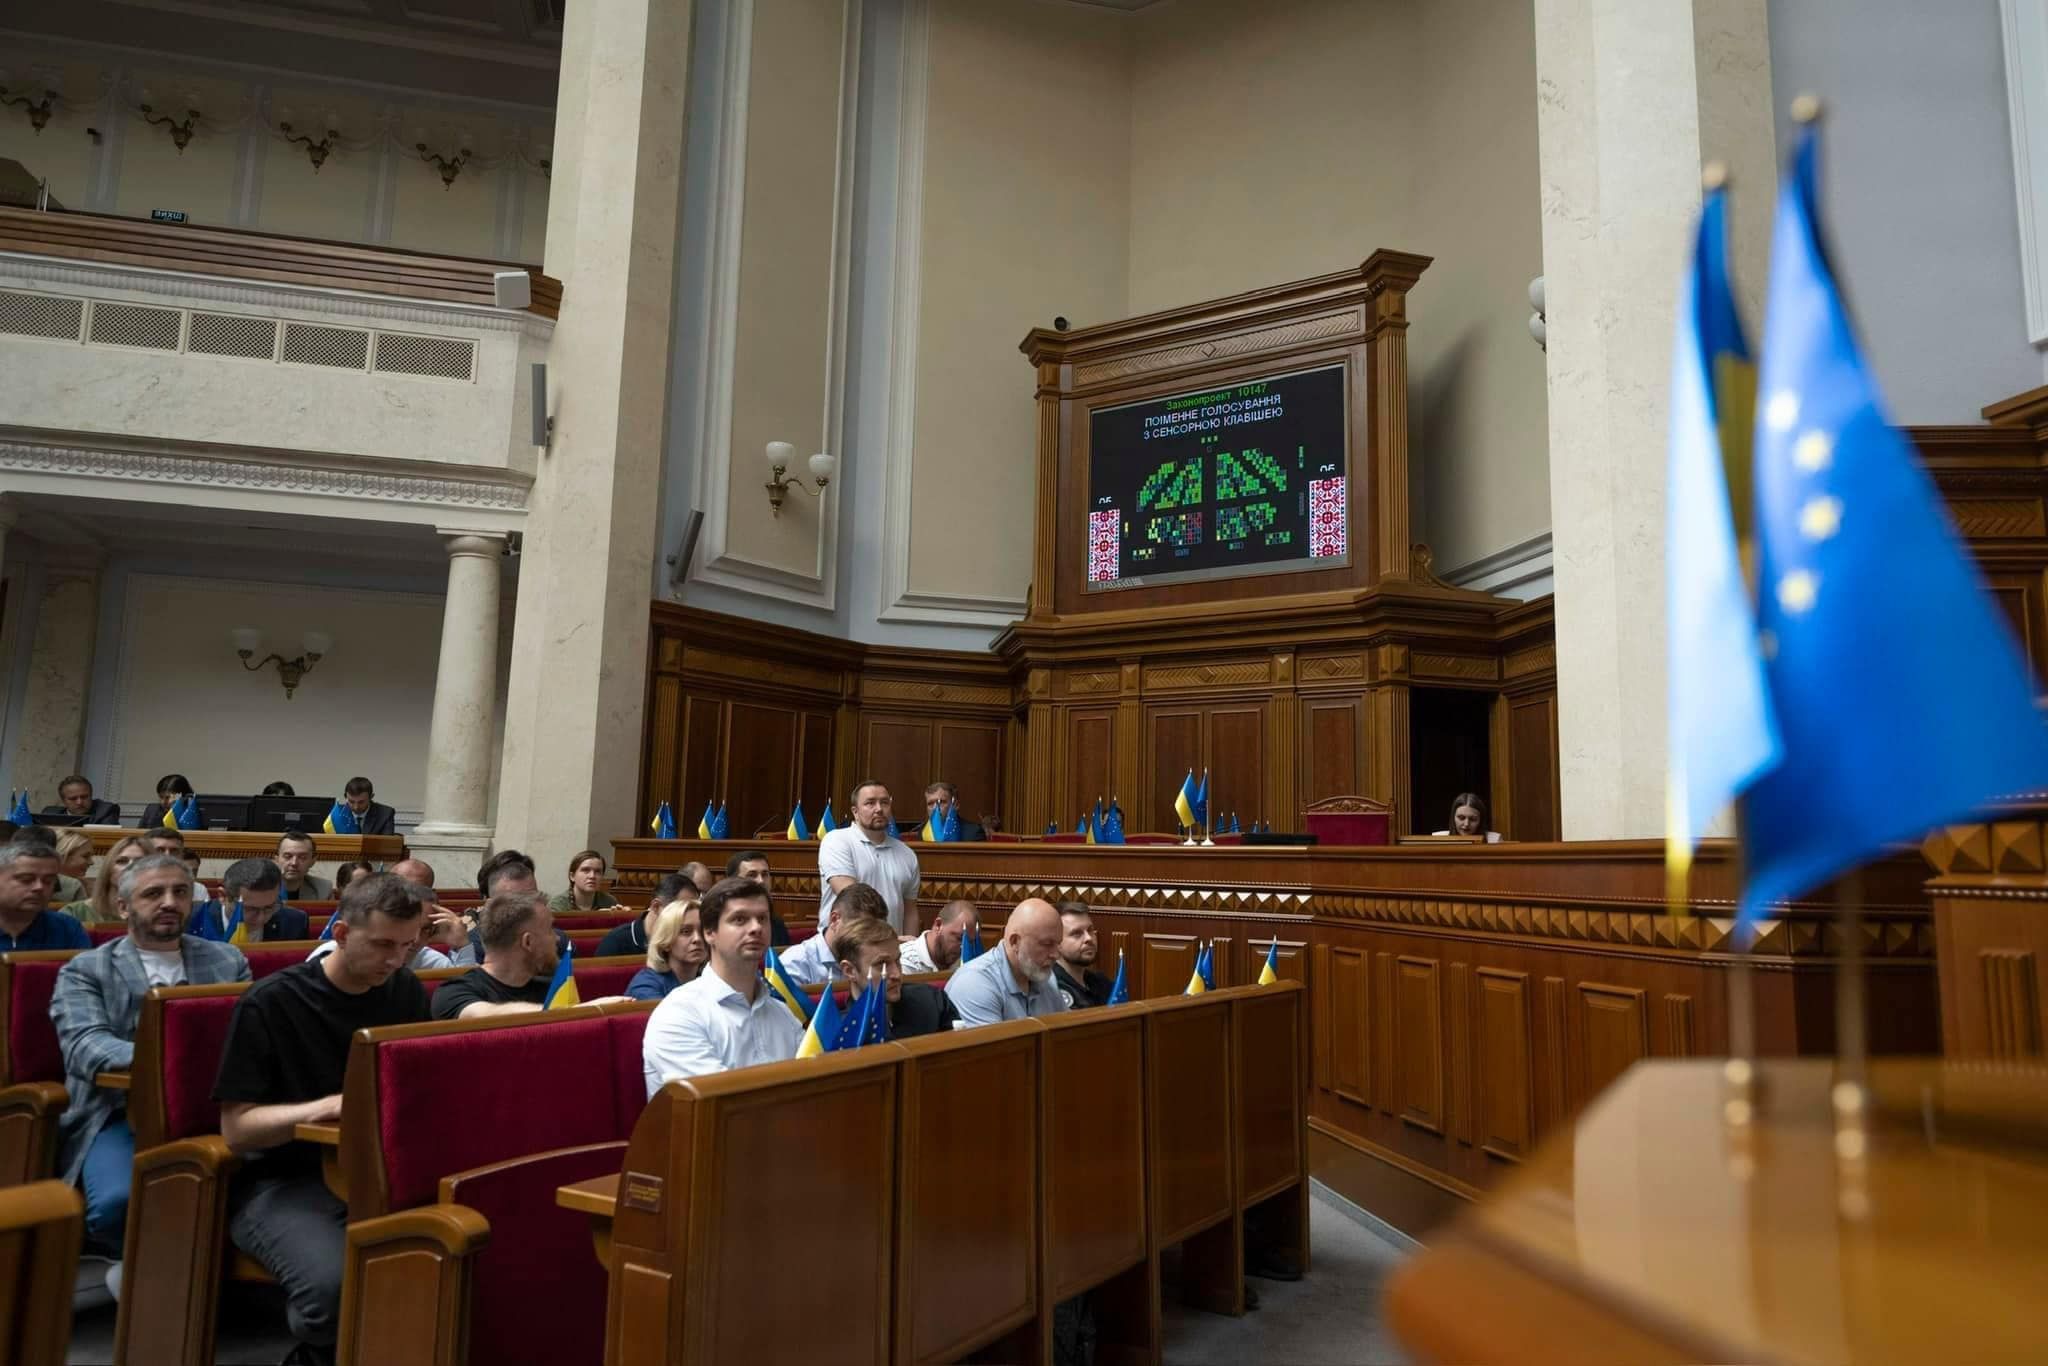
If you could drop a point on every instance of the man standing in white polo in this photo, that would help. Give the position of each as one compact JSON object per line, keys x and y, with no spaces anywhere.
{"x":865,"y":851}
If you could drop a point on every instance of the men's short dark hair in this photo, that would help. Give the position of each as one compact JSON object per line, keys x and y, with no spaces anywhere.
{"x":358,"y":787}
{"x":165,"y":832}
{"x":744,"y":856}
{"x":857,"y":899}
{"x":18,"y":848}
{"x":498,"y":865}
{"x":132,"y":875}
{"x":278,"y":789}
{"x":249,"y":875}
{"x":298,"y":836}
{"x":1067,"y":908}
{"x":724,"y":891}
{"x":669,"y":888}
{"x":75,"y":780}
{"x":385,"y":893}
{"x":36,"y":834}
{"x":863,"y":785}
{"x":941,"y":785}
{"x":506,"y":916}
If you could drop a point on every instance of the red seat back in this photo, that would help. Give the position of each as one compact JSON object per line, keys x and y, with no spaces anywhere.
{"x":27,"y":981}
{"x":102,"y":931}
{"x":628,"y":1025}
{"x":802,"y":930}
{"x":178,"y":1044}
{"x":585,"y":942}
{"x":605,"y":976}
{"x":538,"y":1254}
{"x":277,"y":955}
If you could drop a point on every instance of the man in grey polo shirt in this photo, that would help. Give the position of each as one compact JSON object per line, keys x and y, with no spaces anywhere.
{"x":1014,"y":982}
{"x":865,"y":851}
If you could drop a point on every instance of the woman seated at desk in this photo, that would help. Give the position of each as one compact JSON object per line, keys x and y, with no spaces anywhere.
{"x":1468,"y":817}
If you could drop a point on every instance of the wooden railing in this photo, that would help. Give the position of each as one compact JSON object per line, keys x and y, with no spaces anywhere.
{"x":262,"y":256}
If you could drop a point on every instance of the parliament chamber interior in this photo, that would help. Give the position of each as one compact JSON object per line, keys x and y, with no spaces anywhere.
{"x":1071,"y":681}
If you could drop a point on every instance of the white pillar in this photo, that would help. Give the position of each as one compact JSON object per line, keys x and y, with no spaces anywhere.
{"x":1634,"y":96}
{"x":575,"y":698}
{"x":53,"y":707}
{"x":454,"y":824}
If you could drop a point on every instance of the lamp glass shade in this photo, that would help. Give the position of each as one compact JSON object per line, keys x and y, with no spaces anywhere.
{"x":317,"y":642}
{"x":780,"y":453}
{"x":247,"y":639}
{"x":822,"y":466}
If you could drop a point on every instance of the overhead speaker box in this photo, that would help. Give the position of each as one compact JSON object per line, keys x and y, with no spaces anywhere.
{"x":513,"y":288}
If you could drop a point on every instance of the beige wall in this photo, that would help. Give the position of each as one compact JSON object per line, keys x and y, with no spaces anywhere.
{"x":1026,"y":214}
{"x":183,"y":704}
{"x":237,"y":170}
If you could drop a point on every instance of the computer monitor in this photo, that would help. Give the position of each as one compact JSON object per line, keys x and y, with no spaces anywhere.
{"x":282,"y":813}
{"x":225,"y":811}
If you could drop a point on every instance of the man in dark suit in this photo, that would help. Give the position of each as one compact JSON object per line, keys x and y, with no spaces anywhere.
{"x":941,"y":800}
{"x":257,"y":883}
{"x":868,"y":958}
{"x":1074,"y":971}
{"x":373,"y":816}
{"x":171,"y":789}
{"x":78,"y":805}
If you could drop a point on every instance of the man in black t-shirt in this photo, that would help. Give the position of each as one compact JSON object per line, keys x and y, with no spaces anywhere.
{"x":520,"y":957}
{"x":1074,"y":970}
{"x":631,"y":937}
{"x":282,"y":1066}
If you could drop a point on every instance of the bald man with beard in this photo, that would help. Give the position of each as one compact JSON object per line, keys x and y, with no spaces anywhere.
{"x":1015,"y":981}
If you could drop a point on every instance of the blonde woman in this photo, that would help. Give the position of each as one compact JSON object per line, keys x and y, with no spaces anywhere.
{"x":675,"y":952}
{"x":74,"y":858}
{"x":99,"y":908}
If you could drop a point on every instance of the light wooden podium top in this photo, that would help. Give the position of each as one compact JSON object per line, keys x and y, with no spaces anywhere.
{"x":239,"y":844}
{"x":1654,"y":1230}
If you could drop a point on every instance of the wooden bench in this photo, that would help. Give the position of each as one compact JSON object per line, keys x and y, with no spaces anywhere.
{"x":42,"y":1225}
{"x":31,"y":1066}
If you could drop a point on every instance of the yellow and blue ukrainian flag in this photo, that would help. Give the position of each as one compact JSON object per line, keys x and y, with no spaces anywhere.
{"x":341,"y":821}
{"x":1720,"y":727}
{"x":826,"y":825}
{"x":1202,"y":979}
{"x":562,"y":986}
{"x":664,"y":823}
{"x":706,"y":823}
{"x":783,"y":985}
{"x":1270,"y":973}
{"x":1862,"y":585}
{"x":821,"y":1034}
{"x":1184,"y":802}
{"x":19,"y":813}
{"x":796,"y":829}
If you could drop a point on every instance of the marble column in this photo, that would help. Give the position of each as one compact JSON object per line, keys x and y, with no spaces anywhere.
{"x":575,"y":698}
{"x":454,"y":829}
{"x":53,"y":705}
{"x":1633,"y":97}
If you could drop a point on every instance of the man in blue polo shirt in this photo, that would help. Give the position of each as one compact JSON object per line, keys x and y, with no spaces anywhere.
{"x":1014,"y":981}
{"x":28,"y":877}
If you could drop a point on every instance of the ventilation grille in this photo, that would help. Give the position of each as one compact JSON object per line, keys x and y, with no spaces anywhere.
{"x":135,"y":325}
{"x":223,"y":334}
{"x":41,"y":315}
{"x":342,"y":348}
{"x":106,"y":322}
{"x":436,"y":357}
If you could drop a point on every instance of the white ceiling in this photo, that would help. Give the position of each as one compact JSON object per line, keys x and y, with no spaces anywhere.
{"x":105,"y":527}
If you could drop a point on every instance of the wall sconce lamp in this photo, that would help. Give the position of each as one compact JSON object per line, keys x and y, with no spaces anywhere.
{"x":248,"y":640}
{"x":316,"y":152}
{"x":780,"y":453}
{"x":448,"y":169}
{"x":181,"y":133}
{"x":38,"y":114}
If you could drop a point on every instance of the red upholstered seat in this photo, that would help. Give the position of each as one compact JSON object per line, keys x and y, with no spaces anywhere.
{"x":195,"y":1031}
{"x":537,"y":1294}
{"x":602,"y":978}
{"x":1347,"y":827}
{"x":101,"y":933}
{"x":449,"y":1102}
{"x":586,"y":941}
{"x":801,"y":931}
{"x":629,"y":1079}
{"x":276,"y":956}
{"x":33,"y":1054}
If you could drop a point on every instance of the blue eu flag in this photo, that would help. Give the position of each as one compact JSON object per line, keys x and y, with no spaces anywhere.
{"x":1864,"y":593}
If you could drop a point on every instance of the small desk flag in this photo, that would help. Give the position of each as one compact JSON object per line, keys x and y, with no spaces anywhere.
{"x":342,"y":821}
{"x":20,"y":814}
{"x":1113,"y":824}
{"x":705,"y":822}
{"x":970,"y":942}
{"x":783,"y":985}
{"x":1270,"y":973}
{"x":1202,"y":801}
{"x":188,"y":813}
{"x":562,"y":986}
{"x":1120,"y":989}
{"x":1198,"y":980}
{"x":1184,"y":802}
{"x":721,"y":824}
{"x":796,"y":829}
{"x":827,"y":1023}
{"x":826,"y":825}
{"x":1864,"y":593}
{"x":664,"y":823}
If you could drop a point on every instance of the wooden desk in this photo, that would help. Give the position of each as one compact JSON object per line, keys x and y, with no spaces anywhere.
{"x":1652,"y":1231}
{"x":114,"y":1081}
{"x":597,"y":1197}
{"x":328,"y":1137}
{"x":230,"y":845}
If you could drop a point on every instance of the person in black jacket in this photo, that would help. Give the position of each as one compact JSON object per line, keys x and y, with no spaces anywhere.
{"x":80,"y":807}
{"x":941,"y":800}
{"x":257,"y":884}
{"x":1074,"y":970}
{"x":867,"y":947}
{"x":169,"y":789}
{"x":373,"y":816}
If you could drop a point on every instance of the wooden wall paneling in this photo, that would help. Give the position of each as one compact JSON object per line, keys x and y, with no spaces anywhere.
{"x":1613,"y":1032}
{"x":1224,"y":951}
{"x":815,"y":765}
{"x":1350,"y":1022}
{"x":1532,"y":738}
{"x":897,"y":750}
{"x":1458,"y":1008}
{"x":1281,"y":773}
{"x":1385,"y":1089}
{"x":1678,"y":1025}
{"x":970,"y":756}
{"x":2012,"y":1009}
{"x":760,"y":764}
{"x":1173,"y":745}
{"x":1503,"y":1064}
{"x":1168,"y":961}
{"x":1386,"y":752}
{"x":1556,"y":1049}
{"x":1235,"y":756}
{"x":1319,"y":1020}
{"x":661,"y":754}
{"x":1419,"y":1041}
{"x":1091,"y":765}
{"x":1332,"y":749}
{"x":703,"y":775}
{"x":1501,"y":760}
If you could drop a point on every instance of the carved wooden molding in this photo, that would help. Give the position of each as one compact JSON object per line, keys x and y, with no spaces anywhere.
{"x":1478,"y":670}
{"x":1348,"y":322}
{"x":907,"y":690}
{"x":1162,"y":676}
{"x":1348,"y":806}
{"x":1324,"y":667}
{"x":1992,"y":850}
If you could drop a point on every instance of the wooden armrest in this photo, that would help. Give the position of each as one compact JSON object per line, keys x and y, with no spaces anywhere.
{"x":114,"y":1081}
{"x":208,"y":1153}
{"x":405,"y":1287}
{"x":28,"y":1131}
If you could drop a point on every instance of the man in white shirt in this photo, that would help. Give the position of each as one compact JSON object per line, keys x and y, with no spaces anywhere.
{"x":865,"y":851}
{"x":938,"y":948}
{"x":817,"y":958}
{"x":727,"y":1017}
